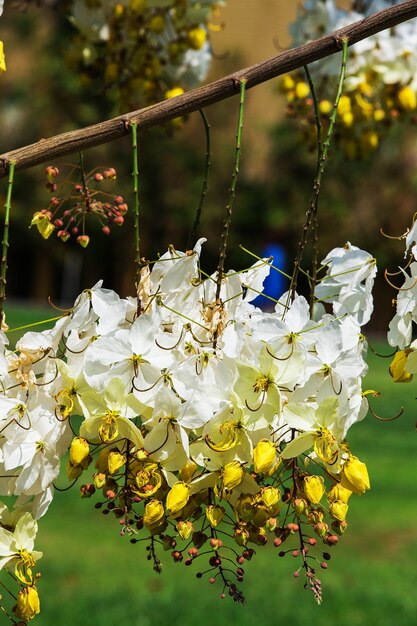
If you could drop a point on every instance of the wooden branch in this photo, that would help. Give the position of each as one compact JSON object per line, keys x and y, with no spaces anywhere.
{"x":73,"y":141}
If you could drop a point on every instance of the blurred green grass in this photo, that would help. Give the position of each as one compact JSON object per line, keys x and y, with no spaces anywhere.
{"x":92,"y":576}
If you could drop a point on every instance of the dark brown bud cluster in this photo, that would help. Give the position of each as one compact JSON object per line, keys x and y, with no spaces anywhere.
{"x":73,"y":202}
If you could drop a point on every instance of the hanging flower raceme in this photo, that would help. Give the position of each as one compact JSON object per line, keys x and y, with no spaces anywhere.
{"x":380,"y":87}
{"x":146,"y":49}
{"x":192,"y":431}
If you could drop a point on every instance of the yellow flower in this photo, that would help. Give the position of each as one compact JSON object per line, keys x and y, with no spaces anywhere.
{"x":188,"y":471}
{"x":407,"y":98}
{"x":79,"y":450}
{"x":398,"y":365}
{"x":344,"y":105}
{"x":286,"y":83}
{"x":313,"y":488}
{"x":174,"y":92}
{"x":264,"y":457}
{"x":196,"y":38}
{"x":28,"y":605}
{"x":302,"y":90}
{"x":355,"y":476}
{"x":2,"y":59}
{"x":177,"y":497}
{"x":325,"y":107}
{"x":41,"y":220}
{"x":270,"y":496}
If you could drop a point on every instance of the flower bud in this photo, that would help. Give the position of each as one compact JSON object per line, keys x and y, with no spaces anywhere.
{"x":115,"y":461}
{"x":321,"y":529}
{"x":196,"y":38}
{"x":264,"y":456}
{"x":337,"y":492}
{"x":313,"y":487}
{"x":188,"y":471}
{"x":185,"y":529}
{"x":338,"y":510}
{"x":177,"y":497}
{"x":233,"y":473}
{"x":79,"y":450}
{"x":83,"y":240}
{"x":99,"y":480}
{"x":27,"y":605}
{"x":300,"y":506}
{"x":355,"y":476}
{"x":339,"y":527}
{"x":154,"y":516}
{"x":214,"y":515}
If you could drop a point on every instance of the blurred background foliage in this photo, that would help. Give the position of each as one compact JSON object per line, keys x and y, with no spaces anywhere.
{"x":42,"y":96}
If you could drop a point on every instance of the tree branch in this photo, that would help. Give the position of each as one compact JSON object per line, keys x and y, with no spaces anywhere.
{"x":73,"y":141}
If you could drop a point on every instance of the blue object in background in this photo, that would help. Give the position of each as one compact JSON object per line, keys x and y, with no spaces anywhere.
{"x":275,"y":284}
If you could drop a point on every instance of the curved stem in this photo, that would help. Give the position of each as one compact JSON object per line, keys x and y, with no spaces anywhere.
{"x":5,"y":242}
{"x":193,"y":235}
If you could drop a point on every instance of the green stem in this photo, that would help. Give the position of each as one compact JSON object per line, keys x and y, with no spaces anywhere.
{"x":317,"y":120}
{"x":232,"y":193}
{"x":135,"y":174}
{"x":312,"y":210}
{"x":193,"y":235}
{"x":5,"y":242}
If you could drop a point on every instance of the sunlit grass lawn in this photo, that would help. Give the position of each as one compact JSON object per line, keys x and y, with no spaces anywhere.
{"x":92,"y":576}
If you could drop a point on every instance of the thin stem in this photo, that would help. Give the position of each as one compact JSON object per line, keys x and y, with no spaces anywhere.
{"x":312,"y":210}
{"x":232,"y":193}
{"x":5,"y":242}
{"x":193,"y":235}
{"x":135,"y":175}
{"x":317,"y":120}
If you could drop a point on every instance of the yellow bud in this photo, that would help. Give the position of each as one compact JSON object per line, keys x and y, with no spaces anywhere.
{"x":172,"y":93}
{"x":99,"y":480}
{"x":2,"y":59}
{"x":300,"y":506}
{"x":321,"y":529}
{"x":355,"y":476}
{"x":379,"y":115}
{"x":154,"y":515}
{"x":338,"y":510}
{"x":337,"y":492}
{"x":115,"y":461}
{"x":264,"y":456}
{"x":369,"y":140}
{"x":157,"y":24}
{"x":313,"y":487}
{"x":325,"y":107}
{"x":271,"y":524}
{"x":188,"y":471}
{"x":339,"y":527}
{"x":214,"y":515}
{"x":27,"y":605}
{"x":286,"y":83}
{"x":196,"y":38}
{"x":177,"y":497}
{"x":407,"y":98}
{"x":185,"y":530}
{"x":347,"y":119}
{"x":270,"y":496}
{"x":42,"y":221}
{"x":79,"y":450}
{"x":233,"y":473}
{"x":302,"y":90}
{"x":118,"y":11}
{"x":397,"y":369}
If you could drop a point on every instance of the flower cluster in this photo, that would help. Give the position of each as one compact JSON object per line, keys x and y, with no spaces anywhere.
{"x":67,"y":213}
{"x":380,"y":86}
{"x":144,"y":48}
{"x":404,"y":364}
{"x":207,"y":425}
